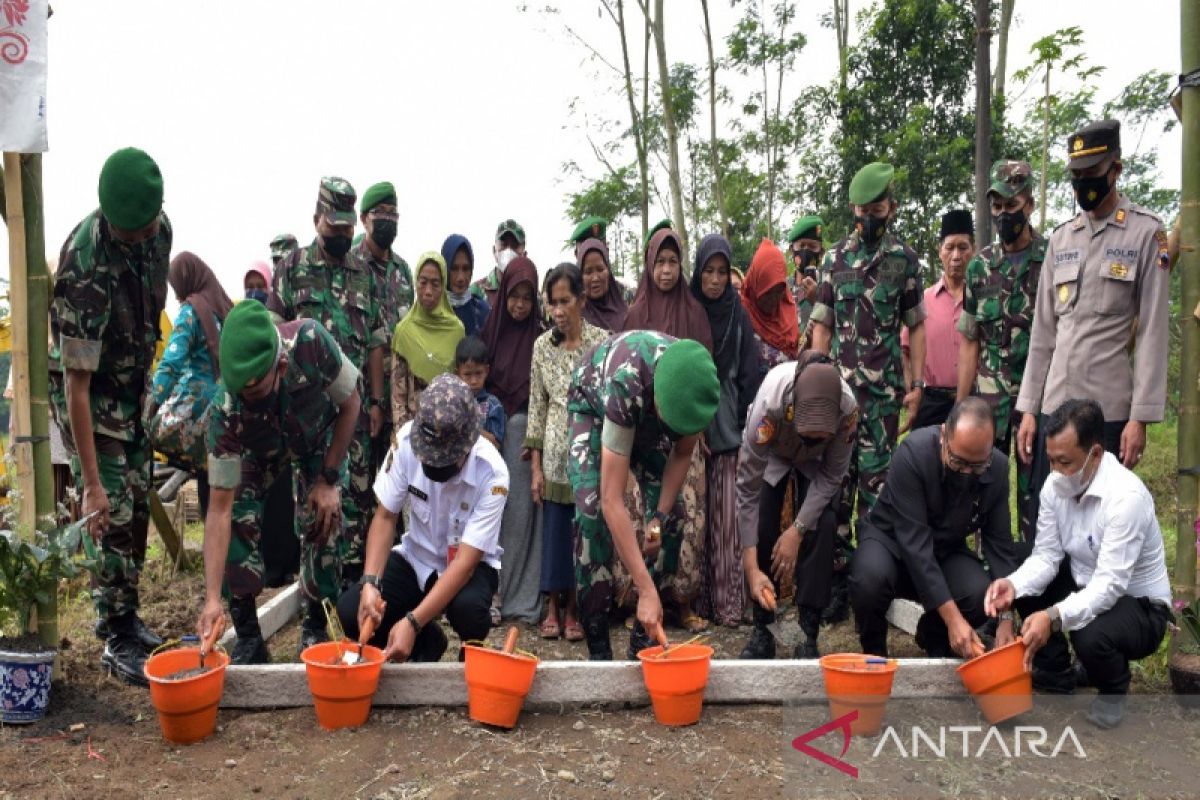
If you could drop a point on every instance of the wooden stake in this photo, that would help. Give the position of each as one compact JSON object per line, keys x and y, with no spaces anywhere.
{"x":18,"y":301}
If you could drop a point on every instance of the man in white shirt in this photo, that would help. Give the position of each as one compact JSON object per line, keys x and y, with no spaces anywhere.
{"x":456,"y":485}
{"x":1098,"y":569}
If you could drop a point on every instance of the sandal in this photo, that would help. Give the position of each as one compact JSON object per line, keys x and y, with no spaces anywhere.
{"x":549,"y":628}
{"x":693,"y":622}
{"x":574,"y":631}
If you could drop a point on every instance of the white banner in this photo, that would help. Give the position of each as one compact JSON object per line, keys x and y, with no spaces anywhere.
{"x":23,"y":76}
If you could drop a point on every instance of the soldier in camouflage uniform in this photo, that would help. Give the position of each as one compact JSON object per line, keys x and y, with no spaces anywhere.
{"x":281,"y":246}
{"x":638,"y":401}
{"x":997,"y":316}
{"x":510,"y":243}
{"x":393,"y":287}
{"x":806,"y":251}
{"x":871,"y":285}
{"x":109,"y":291}
{"x":287,"y":401}
{"x":322,"y":282}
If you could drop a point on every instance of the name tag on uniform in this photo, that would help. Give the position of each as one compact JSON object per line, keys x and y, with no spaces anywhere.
{"x":985,"y":292}
{"x":1066,"y":257}
{"x":845,"y":276}
{"x":1122,"y":254}
{"x":417,"y":493}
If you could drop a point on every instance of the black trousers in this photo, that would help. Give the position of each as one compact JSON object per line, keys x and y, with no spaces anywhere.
{"x":877,"y":577}
{"x":936,"y":402}
{"x":1132,"y":629}
{"x":469,"y":612}
{"x":1041,"y":462}
{"x":814,"y":563}
{"x":280,"y":545}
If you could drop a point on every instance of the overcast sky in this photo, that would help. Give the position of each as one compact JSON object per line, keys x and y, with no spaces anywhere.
{"x":463,"y":104}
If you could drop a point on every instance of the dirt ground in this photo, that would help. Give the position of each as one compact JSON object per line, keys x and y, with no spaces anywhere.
{"x":400,"y":753}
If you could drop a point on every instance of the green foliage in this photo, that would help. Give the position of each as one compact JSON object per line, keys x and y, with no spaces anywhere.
{"x":1189,"y":625}
{"x":31,"y":568}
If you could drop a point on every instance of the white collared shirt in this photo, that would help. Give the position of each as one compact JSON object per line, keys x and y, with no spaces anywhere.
{"x":1111,"y":536}
{"x":466,"y":509}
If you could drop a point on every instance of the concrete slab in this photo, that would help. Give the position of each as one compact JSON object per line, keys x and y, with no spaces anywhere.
{"x":905,"y":614}
{"x":582,"y":682}
{"x":272,"y":615}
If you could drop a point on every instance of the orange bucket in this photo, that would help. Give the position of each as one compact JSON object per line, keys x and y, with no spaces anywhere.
{"x":497,"y":683}
{"x":342,"y":692}
{"x":862,"y":683}
{"x":187,"y":707}
{"x":999,"y":683}
{"x":676,"y":683}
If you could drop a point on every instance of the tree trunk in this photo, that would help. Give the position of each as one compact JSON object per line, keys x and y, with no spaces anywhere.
{"x":664,"y":79}
{"x":714,"y":156}
{"x":1006,"y":13}
{"x":841,"y":27}
{"x":639,"y":133}
{"x":1045,"y":152}
{"x":646,"y":35}
{"x":1188,"y":509}
{"x":983,"y":119}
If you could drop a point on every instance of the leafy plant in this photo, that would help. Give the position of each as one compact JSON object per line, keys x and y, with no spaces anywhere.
{"x":31,"y":568}
{"x":1189,"y":624}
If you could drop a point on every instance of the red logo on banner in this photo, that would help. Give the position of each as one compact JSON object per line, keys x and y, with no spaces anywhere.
{"x":14,"y":45}
{"x":842,"y":723}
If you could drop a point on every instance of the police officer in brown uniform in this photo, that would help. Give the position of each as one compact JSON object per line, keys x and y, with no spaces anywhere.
{"x":1100,"y":324}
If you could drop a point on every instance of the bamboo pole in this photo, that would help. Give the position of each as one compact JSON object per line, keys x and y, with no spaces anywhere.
{"x":1188,"y":509}
{"x":18,"y":300}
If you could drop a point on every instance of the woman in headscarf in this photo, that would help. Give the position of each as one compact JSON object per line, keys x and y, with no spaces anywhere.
{"x":605,"y":303}
{"x":664,"y":303}
{"x":256,"y":283}
{"x":176,"y":414}
{"x":509,"y":333}
{"x":425,"y":339}
{"x":460,"y":265}
{"x":735,"y":352}
{"x":771,"y":307}
{"x":556,"y":354}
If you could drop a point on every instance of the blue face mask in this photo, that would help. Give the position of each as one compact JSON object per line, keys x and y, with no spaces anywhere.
{"x":257,"y":294}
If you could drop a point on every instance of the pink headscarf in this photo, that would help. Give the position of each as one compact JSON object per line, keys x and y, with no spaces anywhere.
{"x":262,"y":268}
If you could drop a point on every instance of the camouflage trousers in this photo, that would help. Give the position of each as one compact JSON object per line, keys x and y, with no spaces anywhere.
{"x":320,"y":562}
{"x":125,"y":475}
{"x":594,"y":553}
{"x":878,"y":428}
{"x":358,"y":495}
{"x":1008,"y":420}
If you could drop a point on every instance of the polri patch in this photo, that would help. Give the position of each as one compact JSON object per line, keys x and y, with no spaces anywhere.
{"x":1164,"y":249}
{"x":765,"y":431}
{"x":500,"y":490}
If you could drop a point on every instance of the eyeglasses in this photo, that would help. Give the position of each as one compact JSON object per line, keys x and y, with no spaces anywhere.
{"x":960,"y":464}
{"x":376,"y":213}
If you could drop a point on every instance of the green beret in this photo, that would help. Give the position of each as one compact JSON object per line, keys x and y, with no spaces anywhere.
{"x":249,"y":342}
{"x":583,"y":231}
{"x":686,"y":389}
{"x":131,"y":189}
{"x":662,"y":225}
{"x":382,"y":192}
{"x":871,"y":183}
{"x":810,"y":227}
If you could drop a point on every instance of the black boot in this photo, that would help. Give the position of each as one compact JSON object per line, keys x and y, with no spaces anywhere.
{"x":838,"y":609}
{"x":762,"y":642}
{"x":124,"y":654}
{"x":639,"y":640}
{"x":810,"y":625}
{"x":249,"y":647}
{"x":595,"y":630}
{"x":312,"y":630}
{"x":149,"y":639}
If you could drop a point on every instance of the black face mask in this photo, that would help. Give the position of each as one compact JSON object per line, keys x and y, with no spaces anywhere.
{"x":264,"y":404}
{"x":136,"y":251}
{"x":337,"y":246}
{"x":808,"y":260}
{"x":1090,"y":192}
{"x":257,"y":294}
{"x":440,"y":474}
{"x":1010,"y":225}
{"x":871,"y":228}
{"x":384,"y":233}
{"x":959,"y":483}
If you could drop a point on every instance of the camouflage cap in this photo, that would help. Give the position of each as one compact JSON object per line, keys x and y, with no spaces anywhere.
{"x":513,"y":227}
{"x":283,"y":244}
{"x":447,"y":423}
{"x":335,"y":201}
{"x":1010,"y":178}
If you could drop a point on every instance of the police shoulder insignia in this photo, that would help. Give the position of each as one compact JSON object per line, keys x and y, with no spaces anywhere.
{"x":765,"y":431}
{"x":1120,"y":217}
{"x":500,"y":490}
{"x":789,"y":413}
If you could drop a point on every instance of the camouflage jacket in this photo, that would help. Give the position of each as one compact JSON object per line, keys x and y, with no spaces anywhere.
{"x":104,"y":320}
{"x":488,"y":286}
{"x":297,"y":422}
{"x":393,"y":285}
{"x":998,"y":304}
{"x":615,"y":382}
{"x":342,"y":298}
{"x":865,"y":298}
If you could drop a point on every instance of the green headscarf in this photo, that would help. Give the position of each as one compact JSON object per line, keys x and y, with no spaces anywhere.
{"x":427,"y":339}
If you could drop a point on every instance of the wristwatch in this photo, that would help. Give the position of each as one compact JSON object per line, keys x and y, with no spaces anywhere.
{"x":1006,"y":616}
{"x":371,"y":579}
{"x":412,"y":620}
{"x":1055,"y":619}
{"x":331,"y":475}
{"x":375,"y":402}
{"x":655,"y":525}
{"x":918,"y":384}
